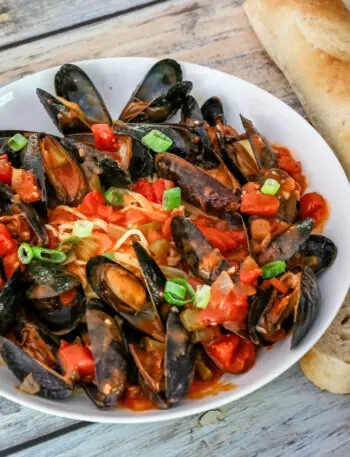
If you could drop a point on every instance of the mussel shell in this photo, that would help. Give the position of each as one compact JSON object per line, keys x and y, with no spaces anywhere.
{"x":179,"y":369}
{"x":308,"y":306}
{"x":109,"y":351}
{"x":142,"y":162}
{"x":205,"y":261}
{"x":65,"y":119}
{"x":145,"y":319}
{"x":213,"y":111}
{"x":31,"y":160}
{"x":73,"y":84}
{"x":287,"y":244}
{"x":256,"y":309}
{"x":52,"y":385}
{"x":196,"y":186}
{"x":8,"y":197}
{"x":11,"y":296}
{"x":318,"y":253}
{"x":13,"y":156}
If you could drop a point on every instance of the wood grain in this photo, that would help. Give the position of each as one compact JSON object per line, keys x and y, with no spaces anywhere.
{"x":22,"y":19}
{"x":288,"y":417}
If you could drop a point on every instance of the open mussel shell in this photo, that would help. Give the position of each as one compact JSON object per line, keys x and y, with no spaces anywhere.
{"x":263,"y":151}
{"x":197,"y":187}
{"x":287,"y":244}
{"x":13,"y":156}
{"x":67,"y":117}
{"x":11,"y":297}
{"x":48,"y":383}
{"x":205,"y":261}
{"x":73,"y":84}
{"x":110,"y":355}
{"x":62,"y":171}
{"x":213,"y":111}
{"x":10,"y":204}
{"x":318,"y":252}
{"x":159,"y":95}
{"x":125,"y":293}
{"x":47,"y":282}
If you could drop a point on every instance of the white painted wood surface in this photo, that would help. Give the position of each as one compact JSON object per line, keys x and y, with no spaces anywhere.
{"x":290,"y":417}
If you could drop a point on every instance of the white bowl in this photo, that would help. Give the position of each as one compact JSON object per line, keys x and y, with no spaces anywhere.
{"x":116,"y":78}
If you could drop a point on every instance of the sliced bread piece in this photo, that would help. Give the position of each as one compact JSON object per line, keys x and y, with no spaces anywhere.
{"x":327,"y":364}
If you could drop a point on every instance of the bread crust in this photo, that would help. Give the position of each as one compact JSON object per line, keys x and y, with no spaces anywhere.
{"x":310,"y":42}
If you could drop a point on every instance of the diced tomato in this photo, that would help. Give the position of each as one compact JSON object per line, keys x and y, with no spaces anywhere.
{"x":94,"y":204}
{"x":11,"y":262}
{"x":77,"y":361}
{"x":108,"y":214}
{"x":4,"y":158}
{"x":232,"y":354}
{"x":225,"y":241}
{"x":104,"y":241}
{"x":289,"y":165}
{"x":259,"y":204}
{"x":5,"y":172}
{"x":105,"y":139}
{"x":92,"y":201}
{"x":249,"y":271}
{"x":313,"y":205}
{"x":144,"y":187}
{"x":134,"y":217}
{"x":153,"y":191}
{"x":7,"y":243}
{"x":135,"y":400}
{"x":23,"y":182}
{"x":67,"y":297}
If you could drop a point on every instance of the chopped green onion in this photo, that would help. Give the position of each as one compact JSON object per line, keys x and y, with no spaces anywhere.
{"x":48,"y":255}
{"x":83,"y":228}
{"x":171,"y":198}
{"x":109,"y":255}
{"x":175,"y":289}
{"x":175,"y":301}
{"x":273,"y":269}
{"x":114,"y":197}
{"x":270,"y":187}
{"x":71,"y":240}
{"x":157,"y":141}
{"x":17,"y":142}
{"x":25,"y":253}
{"x":202,"y":296}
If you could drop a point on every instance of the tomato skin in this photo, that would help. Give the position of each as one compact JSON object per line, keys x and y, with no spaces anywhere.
{"x":153,"y":191}
{"x":222,"y":238}
{"x":7,"y":243}
{"x":313,"y":205}
{"x":259,"y":204}
{"x":92,"y":201}
{"x":77,"y":361}
{"x":5,"y":172}
{"x":11,"y":262}
{"x":94,"y":204}
{"x":144,"y":187}
{"x":105,"y":139}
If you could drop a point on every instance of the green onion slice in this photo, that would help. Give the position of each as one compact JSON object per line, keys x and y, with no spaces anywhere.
{"x":202,"y":296}
{"x":48,"y":255}
{"x":25,"y":253}
{"x":270,"y":187}
{"x":273,"y":269}
{"x":114,"y":197}
{"x":175,"y":301}
{"x":176,"y":290}
{"x":109,"y":255}
{"x":171,"y":198}
{"x":83,"y":228}
{"x":17,"y":142}
{"x":157,"y":141}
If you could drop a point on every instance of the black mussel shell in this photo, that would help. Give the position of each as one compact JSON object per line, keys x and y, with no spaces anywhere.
{"x":196,"y":250}
{"x":213,"y":111}
{"x":73,"y":84}
{"x":13,"y":156}
{"x":318,"y":253}
{"x":51,"y":384}
{"x":65,"y":118}
{"x":109,"y":351}
{"x":256,"y":309}
{"x":8,"y":197}
{"x":11,"y":297}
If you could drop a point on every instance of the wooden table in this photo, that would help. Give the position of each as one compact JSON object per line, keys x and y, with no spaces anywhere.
{"x":288,"y":417}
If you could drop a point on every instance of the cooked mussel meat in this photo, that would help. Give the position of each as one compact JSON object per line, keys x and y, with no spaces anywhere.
{"x":125,"y":293}
{"x":159,"y":95}
{"x":56,"y":296}
{"x":74,"y":85}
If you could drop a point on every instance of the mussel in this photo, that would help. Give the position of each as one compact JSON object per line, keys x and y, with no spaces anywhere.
{"x":196,"y":186}
{"x":125,"y":293}
{"x":318,"y":252}
{"x":36,"y":377}
{"x":159,"y":95}
{"x":165,"y":370}
{"x":205,"y":261}
{"x":74,"y":85}
{"x":272,"y":314}
{"x":56,"y":296}
{"x":110,"y":356}
{"x":13,"y":156}
{"x":11,"y":297}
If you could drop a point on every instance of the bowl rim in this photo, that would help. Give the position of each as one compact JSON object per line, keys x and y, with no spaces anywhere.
{"x":196,"y":407}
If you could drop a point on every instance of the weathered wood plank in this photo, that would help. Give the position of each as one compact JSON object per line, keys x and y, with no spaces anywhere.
{"x":288,"y":417}
{"x":202,"y":32}
{"x":24,"y":19}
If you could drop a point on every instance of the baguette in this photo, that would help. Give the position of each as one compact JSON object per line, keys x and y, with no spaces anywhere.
{"x":309,"y":40}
